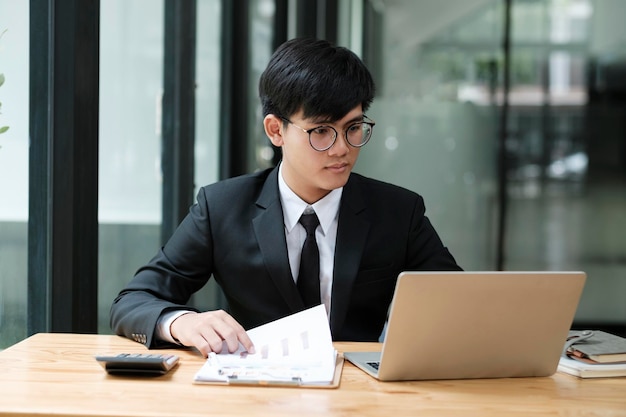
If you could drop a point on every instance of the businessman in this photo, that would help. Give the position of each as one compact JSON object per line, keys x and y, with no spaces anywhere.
{"x":250,"y":232}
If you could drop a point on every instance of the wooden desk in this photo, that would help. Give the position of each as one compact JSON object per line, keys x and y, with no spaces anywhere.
{"x":56,"y":374}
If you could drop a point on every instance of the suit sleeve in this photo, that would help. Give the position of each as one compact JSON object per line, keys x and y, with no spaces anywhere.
{"x":166,"y":283}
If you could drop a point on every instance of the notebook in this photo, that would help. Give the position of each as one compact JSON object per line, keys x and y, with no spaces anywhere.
{"x":461,"y":325}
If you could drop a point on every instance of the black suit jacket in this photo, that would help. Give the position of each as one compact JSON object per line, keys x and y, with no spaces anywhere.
{"x":235,"y":232}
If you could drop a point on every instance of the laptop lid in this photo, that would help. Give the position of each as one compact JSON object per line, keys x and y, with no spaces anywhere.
{"x":457,"y":325}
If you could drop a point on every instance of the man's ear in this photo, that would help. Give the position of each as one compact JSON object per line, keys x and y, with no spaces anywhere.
{"x":274,"y":129}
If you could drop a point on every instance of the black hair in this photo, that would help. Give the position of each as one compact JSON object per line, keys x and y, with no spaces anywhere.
{"x":316,"y":77}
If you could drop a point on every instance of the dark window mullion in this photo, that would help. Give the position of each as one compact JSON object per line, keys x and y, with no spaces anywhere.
{"x":328,"y":20}
{"x":234,"y":101}
{"x":178,"y":140}
{"x":306,"y":18}
{"x":63,"y":207}
{"x":39,"y":257}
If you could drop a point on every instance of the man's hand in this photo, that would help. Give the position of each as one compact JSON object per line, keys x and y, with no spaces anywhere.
{"x":208,"y":331}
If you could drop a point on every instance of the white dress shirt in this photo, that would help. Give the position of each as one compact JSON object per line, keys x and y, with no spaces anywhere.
{"x":327,"y":210}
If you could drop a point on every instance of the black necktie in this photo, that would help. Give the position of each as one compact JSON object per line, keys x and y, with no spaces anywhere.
{"x":309,"y":274}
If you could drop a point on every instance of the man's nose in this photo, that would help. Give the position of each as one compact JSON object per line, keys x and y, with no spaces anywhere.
{"x":341,"y":145}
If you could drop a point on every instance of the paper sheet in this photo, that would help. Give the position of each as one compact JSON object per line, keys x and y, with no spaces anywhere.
{"x":295,"y":349}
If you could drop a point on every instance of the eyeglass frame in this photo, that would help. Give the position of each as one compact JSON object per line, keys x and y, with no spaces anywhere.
{"x":345,"y":132}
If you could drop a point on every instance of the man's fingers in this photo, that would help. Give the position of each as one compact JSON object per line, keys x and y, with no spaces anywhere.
{"x":239,"y":334}
{"x":232,"y":333}
{"x":206,"y":343}
{"x":212,"y":332}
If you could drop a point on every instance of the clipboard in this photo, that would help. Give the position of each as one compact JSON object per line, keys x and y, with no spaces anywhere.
{"x":288,"y":383}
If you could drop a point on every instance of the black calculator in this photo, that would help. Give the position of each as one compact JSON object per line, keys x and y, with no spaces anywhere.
{"x":138,"y":363}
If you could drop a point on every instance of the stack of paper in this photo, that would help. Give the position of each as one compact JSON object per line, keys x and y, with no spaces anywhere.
{"x":295,"y":350}
{"x":587,"y":370}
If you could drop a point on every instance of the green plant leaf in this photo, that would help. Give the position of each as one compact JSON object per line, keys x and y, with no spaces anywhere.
{"x":4,"y":129}
{"x":1,"y":79}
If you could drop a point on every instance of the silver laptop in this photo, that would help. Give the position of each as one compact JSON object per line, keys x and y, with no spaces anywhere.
{"x":458,"y":325}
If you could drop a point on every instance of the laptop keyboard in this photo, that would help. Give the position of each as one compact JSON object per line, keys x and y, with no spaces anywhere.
{"x":374,"y":364}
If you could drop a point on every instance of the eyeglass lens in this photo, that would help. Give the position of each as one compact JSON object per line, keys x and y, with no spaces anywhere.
{"x":357,"y":135}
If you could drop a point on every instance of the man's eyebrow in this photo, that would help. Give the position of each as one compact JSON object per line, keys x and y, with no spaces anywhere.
{"x":355,"y":119}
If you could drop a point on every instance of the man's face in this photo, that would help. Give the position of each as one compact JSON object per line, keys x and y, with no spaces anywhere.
{"x":312,"y":174}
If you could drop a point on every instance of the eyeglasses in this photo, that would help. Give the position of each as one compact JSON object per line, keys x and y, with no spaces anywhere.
{"x":323,"y":138}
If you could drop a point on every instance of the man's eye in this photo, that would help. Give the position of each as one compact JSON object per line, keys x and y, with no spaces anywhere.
{"x":355,"y":127}
{"x":322,"y":131}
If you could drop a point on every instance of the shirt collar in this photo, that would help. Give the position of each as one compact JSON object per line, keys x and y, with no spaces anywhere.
{"x":326,"y":209}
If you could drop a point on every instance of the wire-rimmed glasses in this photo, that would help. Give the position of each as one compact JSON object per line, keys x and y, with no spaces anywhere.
{"x":322,"y":138}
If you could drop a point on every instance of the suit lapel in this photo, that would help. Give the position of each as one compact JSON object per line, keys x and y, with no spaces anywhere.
{"x":353,"y":227}
{"x":269,"y":228}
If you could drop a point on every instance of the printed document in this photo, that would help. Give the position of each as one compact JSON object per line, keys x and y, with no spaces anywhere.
{"x":294,"y":350}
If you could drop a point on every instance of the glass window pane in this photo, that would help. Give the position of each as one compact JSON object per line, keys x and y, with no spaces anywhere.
{"x":208,"y":54}
{"x":436,"y":119}
{"x":14,"y":66}
{"x":261,"y":34}
{"x":567,"y":183}
{"x":131,"y":78}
